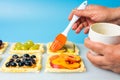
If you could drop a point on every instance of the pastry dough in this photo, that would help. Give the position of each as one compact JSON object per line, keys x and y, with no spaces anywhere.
{"x":76,"y":51}
{"x":50,"y":69}
{"x":35,"y":68}
{"x":40,"y":50}
{"x":4,"y":48}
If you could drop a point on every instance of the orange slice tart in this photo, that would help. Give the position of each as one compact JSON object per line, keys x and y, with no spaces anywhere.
{"x":65,"y":63}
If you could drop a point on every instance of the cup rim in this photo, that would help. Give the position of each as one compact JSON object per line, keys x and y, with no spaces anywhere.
{"x":102,"y":34}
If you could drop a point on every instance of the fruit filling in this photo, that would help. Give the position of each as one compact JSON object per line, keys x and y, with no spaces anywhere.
{"x":1,"y":44}
{"x":68,"y":47}
{"x":29,"y":45}
{"x":64,"y":61}
{"x":21,"y":61}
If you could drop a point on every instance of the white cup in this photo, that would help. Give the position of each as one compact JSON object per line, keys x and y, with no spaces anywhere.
{"x":106,"y":33}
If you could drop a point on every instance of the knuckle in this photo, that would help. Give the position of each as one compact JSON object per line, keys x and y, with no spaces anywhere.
{"x":90,"y":6}
{"x":116,"y":70}
{"x":109,"y":54}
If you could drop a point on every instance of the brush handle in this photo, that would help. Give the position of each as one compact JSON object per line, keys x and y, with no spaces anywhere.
{"x":74,"y":19}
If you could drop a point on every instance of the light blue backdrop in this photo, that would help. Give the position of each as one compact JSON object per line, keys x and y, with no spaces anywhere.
{"x":40,"y":20}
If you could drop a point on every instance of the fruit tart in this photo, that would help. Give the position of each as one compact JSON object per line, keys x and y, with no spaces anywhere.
{"x":27,"y":47}
{"x":68,"y":48}
{"x":3,"y":46}
{"x":65,"y":63}
{"x":22,"y":63}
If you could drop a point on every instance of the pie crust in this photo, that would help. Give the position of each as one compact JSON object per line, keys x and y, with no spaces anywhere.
{"x":59,"y":52}
{"x":40,"y":50}
{"x":35,"y":68}
{"x":50,"y":69}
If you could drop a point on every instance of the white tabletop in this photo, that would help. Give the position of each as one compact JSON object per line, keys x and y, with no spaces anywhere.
{"x":92,"y":73}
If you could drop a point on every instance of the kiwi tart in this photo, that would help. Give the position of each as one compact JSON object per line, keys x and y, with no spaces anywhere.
{"x":68,"y":48}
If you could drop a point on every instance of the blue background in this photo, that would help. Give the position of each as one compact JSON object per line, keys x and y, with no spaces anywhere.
{"x":40,"y":20}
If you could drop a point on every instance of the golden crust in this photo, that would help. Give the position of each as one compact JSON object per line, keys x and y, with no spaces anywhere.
{"x":57,"y":52}
{"x":50,"y":69}
{"x":40,"y":50}
{"x":35,"y":68}
{"x":4,"y":48}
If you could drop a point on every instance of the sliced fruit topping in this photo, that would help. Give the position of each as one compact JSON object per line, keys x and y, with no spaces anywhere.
{"x":68,"y":47}
{"x":57,"y":66}
{"x":65,"y":61}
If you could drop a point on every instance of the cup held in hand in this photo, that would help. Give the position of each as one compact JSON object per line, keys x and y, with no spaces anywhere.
{"x":106,"y":33}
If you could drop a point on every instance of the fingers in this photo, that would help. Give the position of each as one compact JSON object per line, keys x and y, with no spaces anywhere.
{"x":75,"y":25}
{"x":80,"y":24}
{"x":80,"y":27}
{"x":116,"y":70}
{"x":95,"y":46}
{"x":83,"y":13}
{"x":97,"y":59}
{"x":103,"y":67}
{"x":86,"y":30}
{"x":92,"y":7}
{"x":71,"y":15}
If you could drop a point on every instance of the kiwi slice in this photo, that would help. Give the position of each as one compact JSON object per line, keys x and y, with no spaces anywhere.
{"x":71,"y":49}
{"x":63,"y":49}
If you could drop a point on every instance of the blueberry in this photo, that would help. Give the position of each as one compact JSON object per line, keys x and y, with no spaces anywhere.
{"x":13,"y":64}
{"x":33,"y":61}
{"x":20,"y":64}
{"x":11,"y":60}
{"x":33,"y":56}
{"x":18,"y":60}
{"x":15,"y":56}
{"x":27,"y":63}
{"x":26,"y":55}
{"x":7,"y":64}
{"x":1,"y":42}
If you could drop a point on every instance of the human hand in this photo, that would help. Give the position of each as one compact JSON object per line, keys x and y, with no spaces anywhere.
{"x":108,"y":55}
{"x":92,"y":14}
